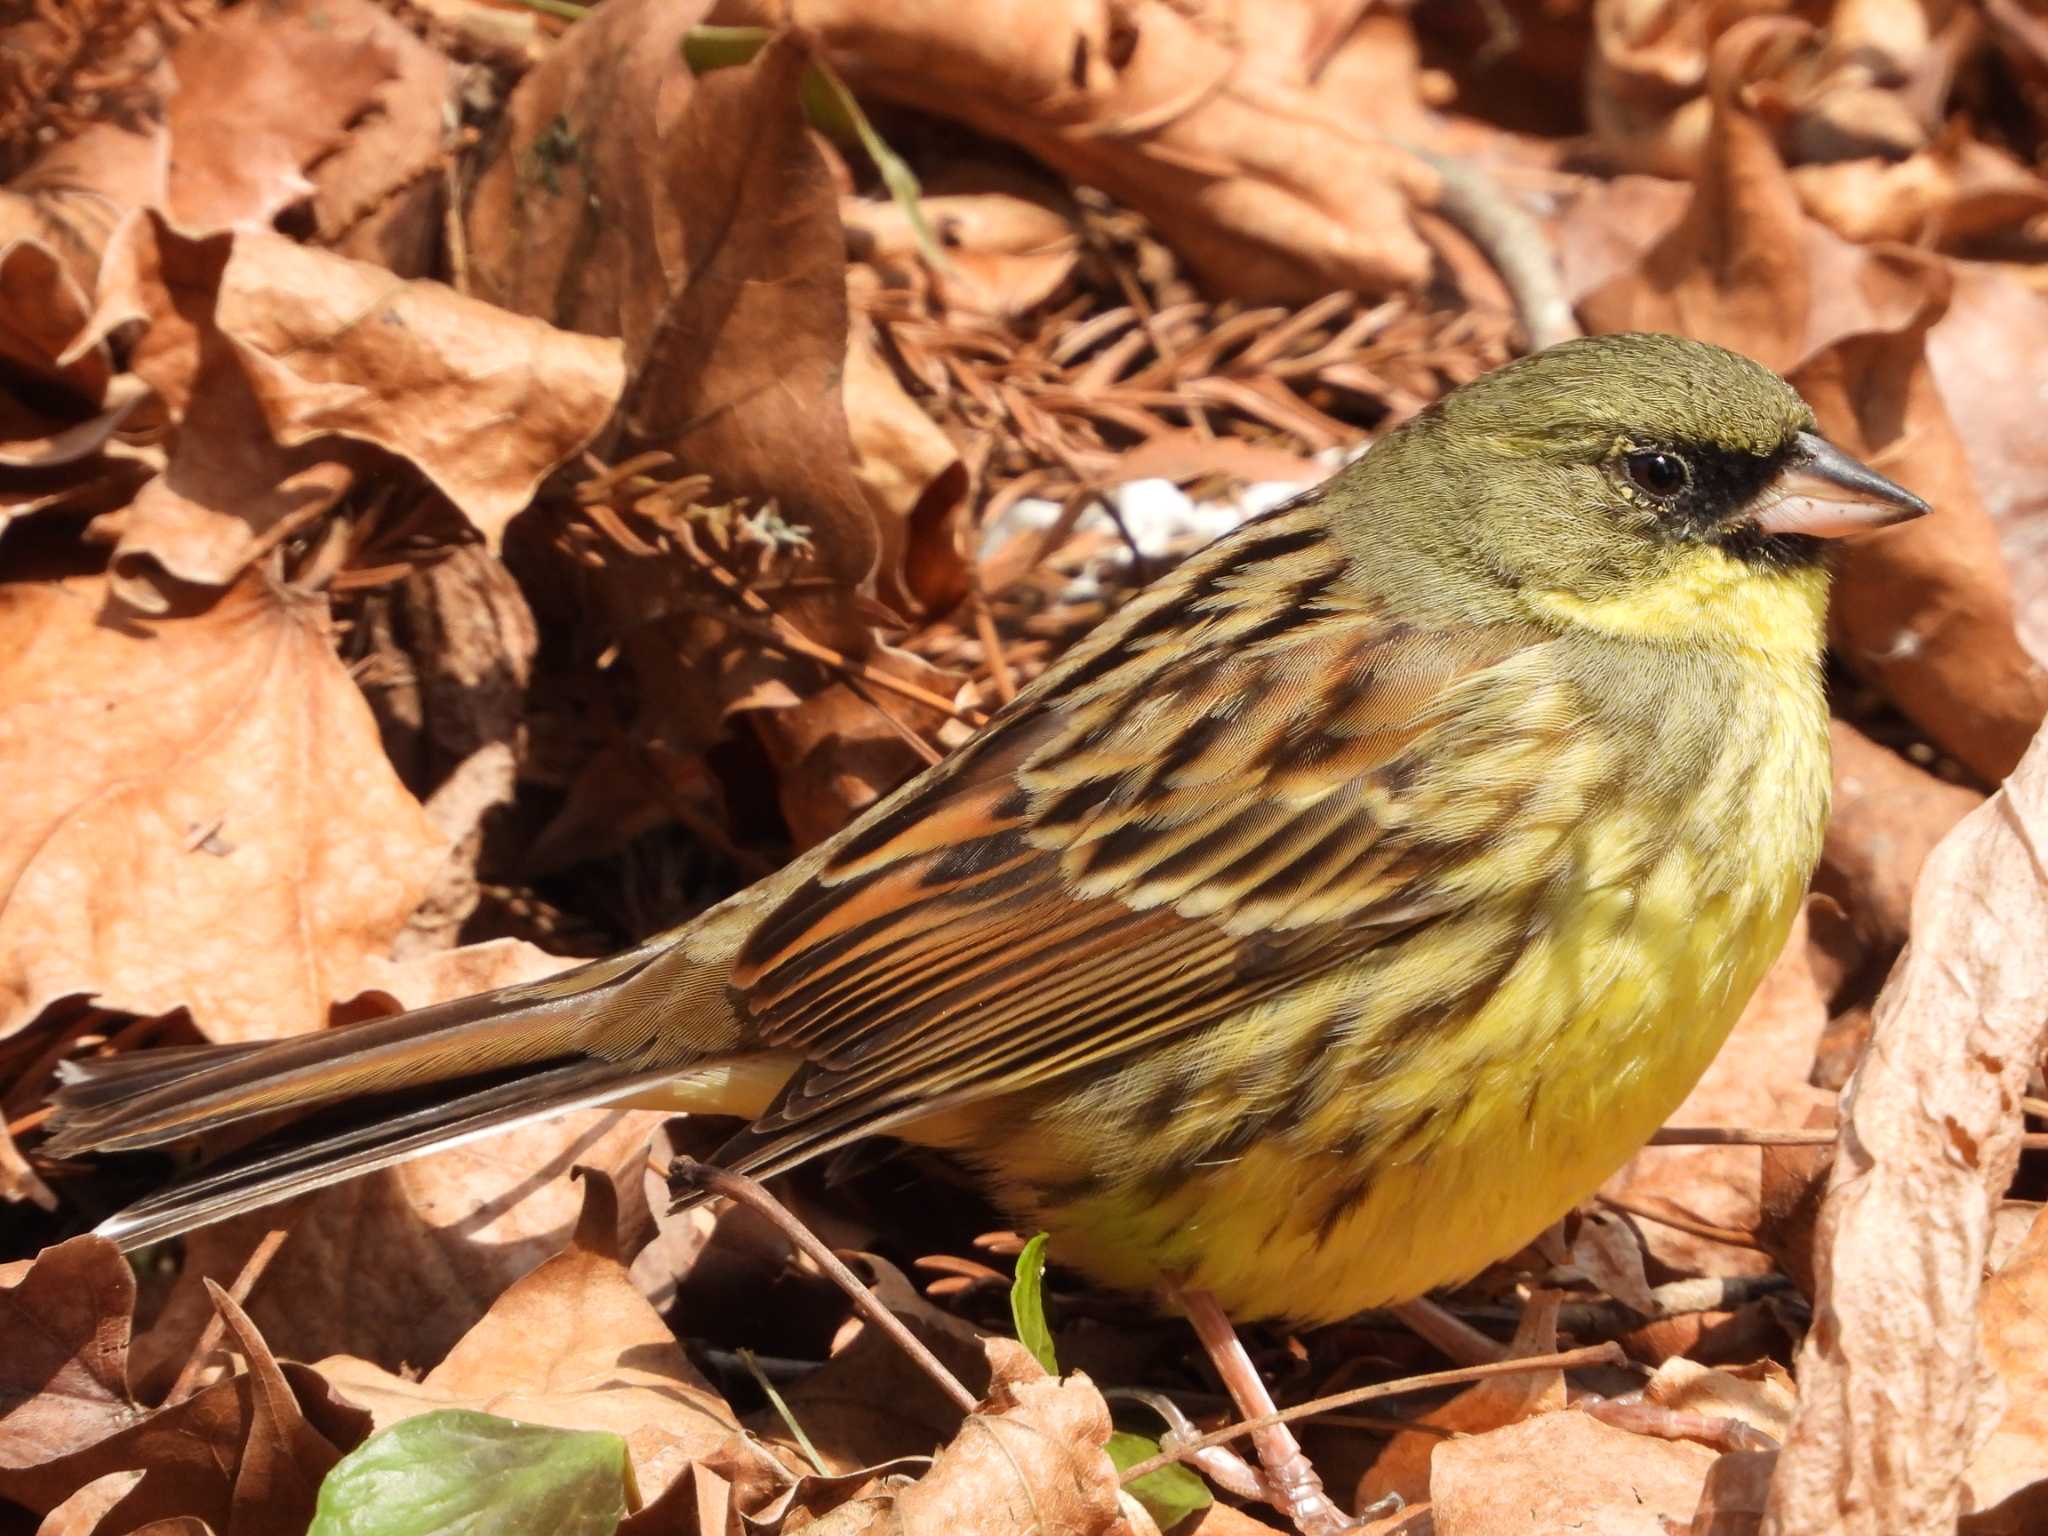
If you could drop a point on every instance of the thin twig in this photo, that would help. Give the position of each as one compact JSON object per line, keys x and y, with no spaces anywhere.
{"x":687,"y":1172}
{"x":1512,"y":239}
{"x":1677,"y":1221}
{"x":210,"y":1336}
{"x":1740,"y":1136}
{"x":1770,"y":1136}
{"x":1568,"y":1360}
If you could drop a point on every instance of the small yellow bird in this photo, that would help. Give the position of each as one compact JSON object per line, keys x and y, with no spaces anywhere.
{"x":1319,"y":929}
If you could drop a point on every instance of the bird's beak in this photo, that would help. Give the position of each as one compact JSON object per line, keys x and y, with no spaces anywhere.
{"x":1825,"y":493}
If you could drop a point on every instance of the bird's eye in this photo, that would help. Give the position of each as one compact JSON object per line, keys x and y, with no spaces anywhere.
{"x":1661,"y":474}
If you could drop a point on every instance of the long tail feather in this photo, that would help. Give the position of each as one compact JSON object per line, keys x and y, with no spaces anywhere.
{"x":368,"y":1134}
{"x":161,"y":1096}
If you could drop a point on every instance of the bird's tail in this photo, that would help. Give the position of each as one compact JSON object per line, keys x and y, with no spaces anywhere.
{"x":369,"y":1095}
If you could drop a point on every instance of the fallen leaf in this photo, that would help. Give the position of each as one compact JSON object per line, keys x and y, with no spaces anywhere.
{"x":227,"y":835}
{"x":1563,"y":1472}
{"x":1895,"y":1390}
{"x":2014,"y":1314}
{"x":263,"y":92}
{"x":1403,"y":1467}
{"x":1994,"y":326}
{"x":571,"y":1344}
{"x":723,"y":270}
{"x":1732,"y":1502}
{"x":1030,"y":1461}
{"x":261,"y":348}
{"x":242,"y":1455}
{"x":64,"y":1377}
{"x":1888,"y":815}
{"x":1925,"y":610}
{"x":1255,"y":181}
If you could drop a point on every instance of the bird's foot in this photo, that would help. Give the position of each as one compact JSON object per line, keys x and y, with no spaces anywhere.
{"x":1290,"y":1484}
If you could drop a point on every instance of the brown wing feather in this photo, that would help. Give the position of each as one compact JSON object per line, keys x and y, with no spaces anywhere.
{"x":1202,"y":806}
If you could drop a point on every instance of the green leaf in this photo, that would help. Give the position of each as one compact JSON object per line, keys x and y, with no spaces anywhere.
{"x":458,"y":1473}
{"x":830,"y":107}
{"x":1169,"y":1495}
{"x":1027,"y":1304}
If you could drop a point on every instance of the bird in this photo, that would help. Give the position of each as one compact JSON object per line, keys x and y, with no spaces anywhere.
{"x":1318,"y":929}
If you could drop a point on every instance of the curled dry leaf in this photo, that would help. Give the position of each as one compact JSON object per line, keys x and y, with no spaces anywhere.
{"x":448,"y":1232}
{"x":1030,"y":1463}
{"x":380,"y":196}
{"x":64,"y":1376}
{"x":1888,"y":815}
{"x":1758,"y":1079}
{"x":226,"y":836}
{"x":1256,"y":182}
{"x":1564,"y":1472}
{"x":262,"y":92}
{"x":1895,"y":1393}
{"x":1925,"y":611}
{"x":694,"y":219}
{"x":1404,"y":1466}
{"x":572,"y":1344}
{"x":1010,"y":243}
{"x":244,"y":1455}
{"x":261,"y":348}
{"x":2004,"y":1481}
{"x":1983,"y":350}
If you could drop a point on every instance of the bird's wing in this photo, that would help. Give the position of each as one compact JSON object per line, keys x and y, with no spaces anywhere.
{"x":1215,"y":796}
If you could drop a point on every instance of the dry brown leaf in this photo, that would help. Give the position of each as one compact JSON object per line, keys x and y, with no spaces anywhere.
{"x":1925,"y":610}
{"x":77,"y":192}
{"x":244,"y":1455}
{"x":1981,"y":349}
{"x":261,"y":348}
{"x":1957,"y":190}
{"x":1010,"y":243}
{"x":694,"y":219}
{"x":449,"y":1231}
{"x":263,"y":92}
{"x":380,"y":196}
{"x":870,"y":1403}
{"x":1895,"y":1392}
{"x":1404,"y":1466}
{"x":1029,"y":1463}
{"x":571,"y":1344}
{"x":914,"y":481}
{"x":226,"y":834}
{"x":2014,"y":1311}
{"x":1758,"y":1079}
{"x":1888,"y":815}
{"x":1257,"y":183}
{"x":1738,"y":1487}
{"x":64,"y":1374}
{"x":1564,"y":1472}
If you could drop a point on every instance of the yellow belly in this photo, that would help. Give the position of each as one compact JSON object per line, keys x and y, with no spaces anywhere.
{"x":1521,"y":1111}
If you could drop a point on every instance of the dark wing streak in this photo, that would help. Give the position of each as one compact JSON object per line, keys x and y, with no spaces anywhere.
{"x":1037,"y":911}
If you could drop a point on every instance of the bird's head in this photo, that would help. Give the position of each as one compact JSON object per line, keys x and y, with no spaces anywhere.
{"x":1636,"y":482}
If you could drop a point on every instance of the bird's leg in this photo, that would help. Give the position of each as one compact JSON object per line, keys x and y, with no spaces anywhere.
{"x":1291,"y":1484}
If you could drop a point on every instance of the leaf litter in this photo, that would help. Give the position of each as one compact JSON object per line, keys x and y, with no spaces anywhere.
{"x":474,"y":490}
